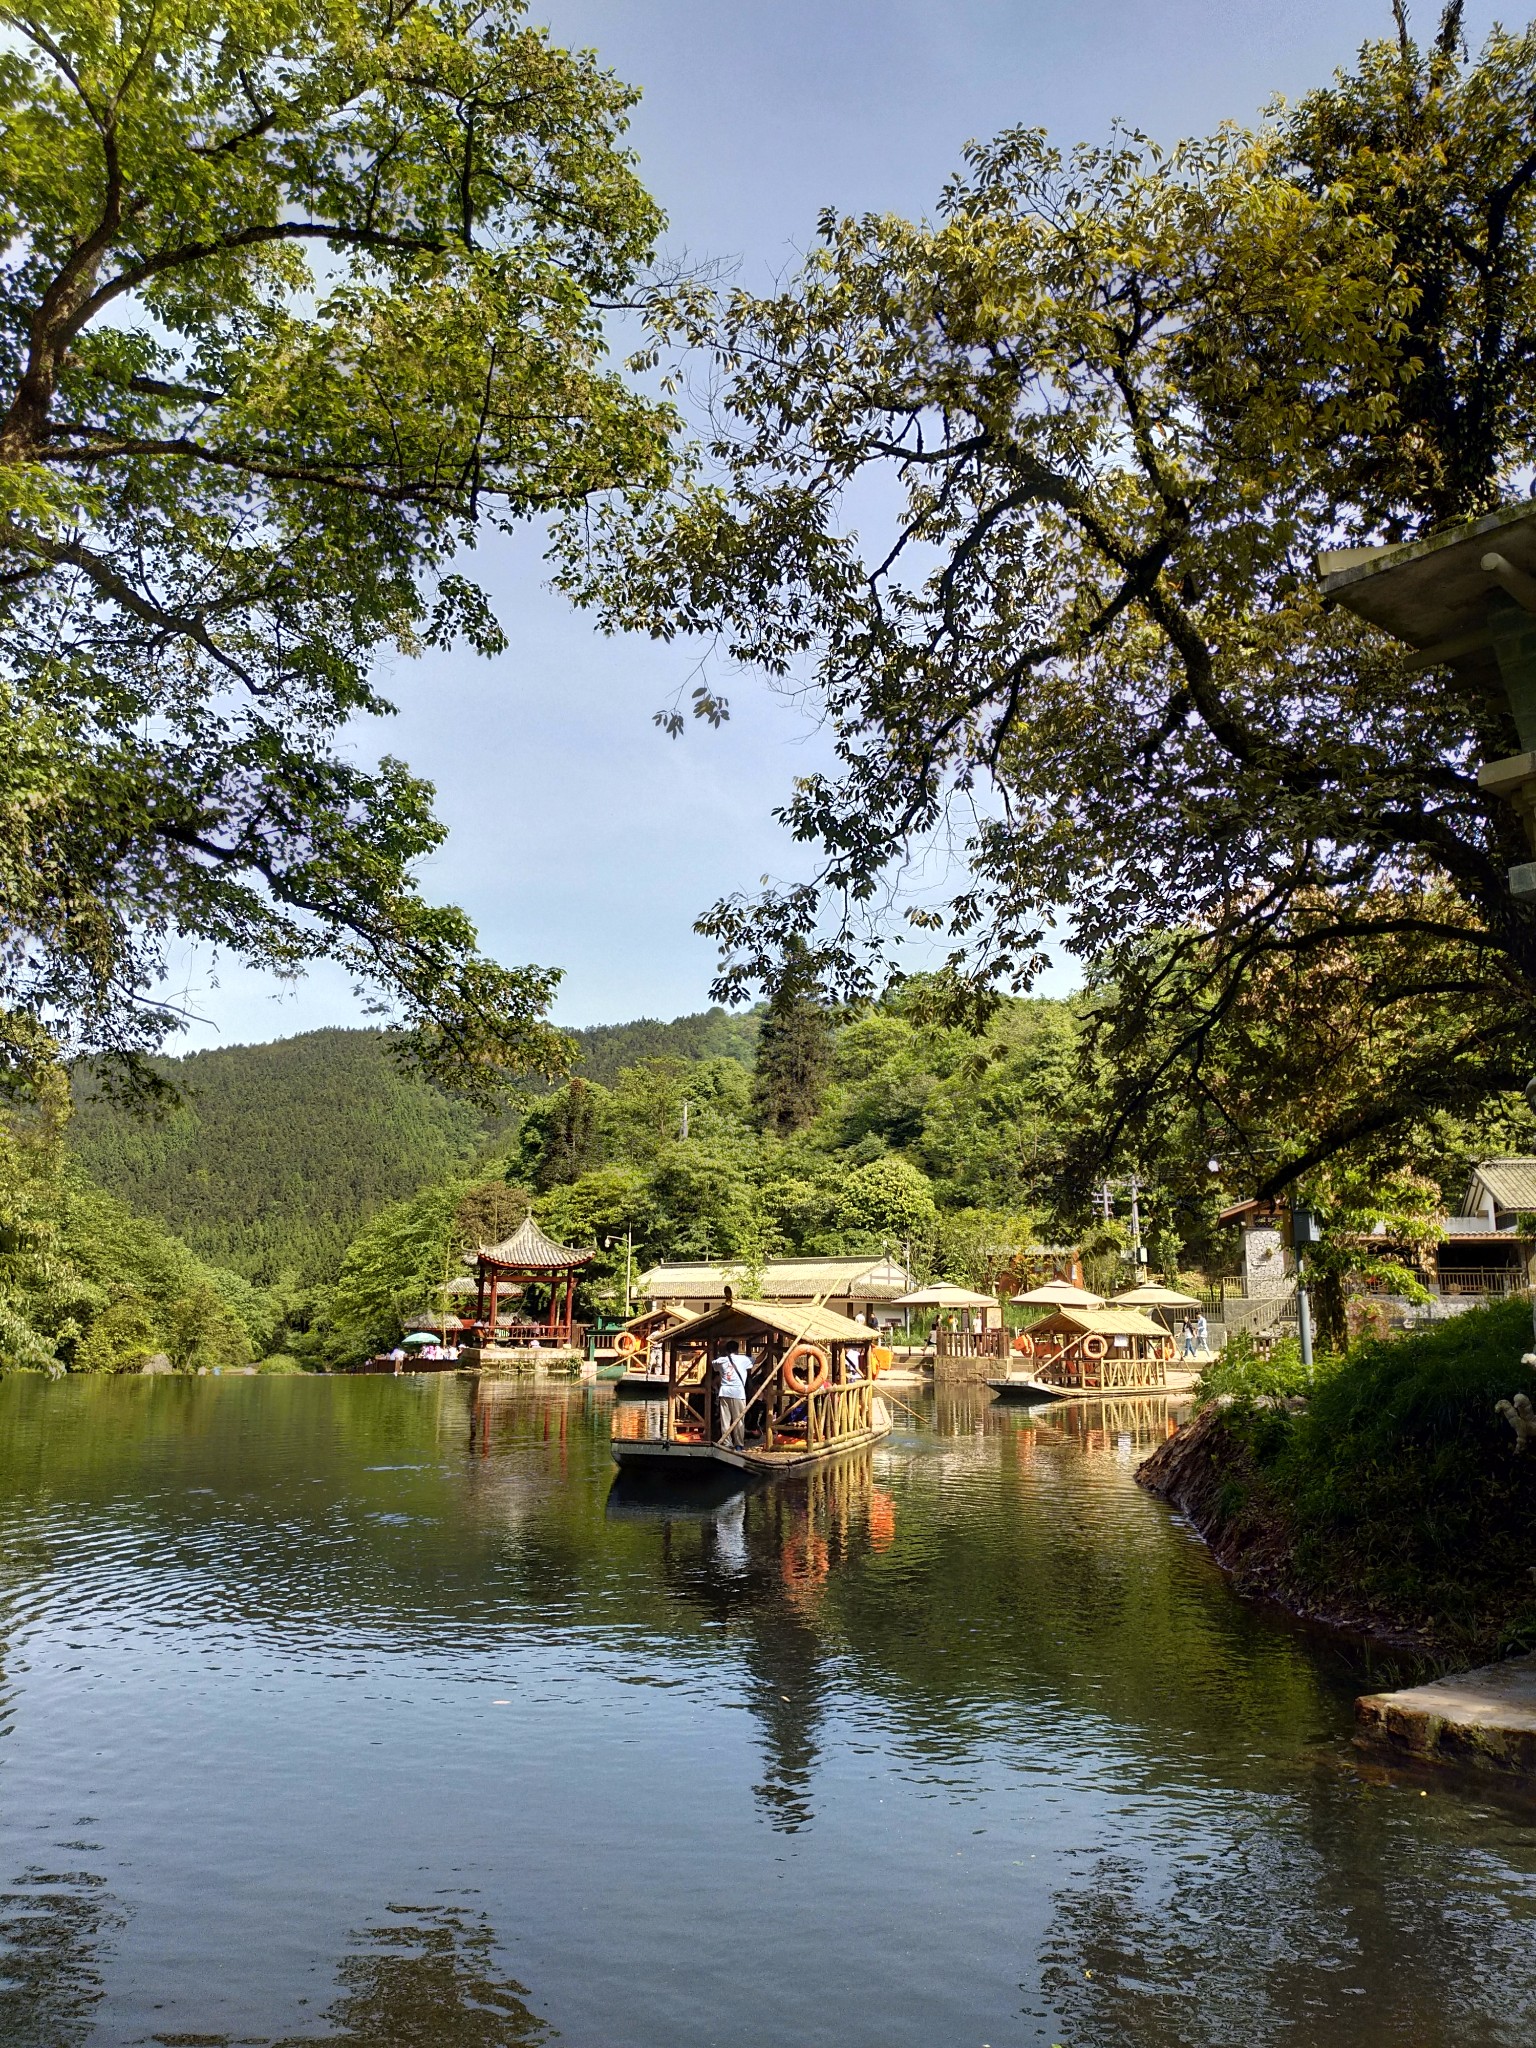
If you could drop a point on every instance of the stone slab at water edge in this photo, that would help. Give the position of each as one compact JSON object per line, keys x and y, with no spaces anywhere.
{"x":1486,"y":1718}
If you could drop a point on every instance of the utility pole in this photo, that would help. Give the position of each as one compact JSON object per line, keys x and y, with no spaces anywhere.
{"x":1304,"y":1231}
{"x":685,"y":1116}
{"x":629,"y":1260}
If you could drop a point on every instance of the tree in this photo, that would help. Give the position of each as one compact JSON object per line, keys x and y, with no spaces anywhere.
{"x":565,"y":1134}
{"x":793,"y":1054}
{"x":1119,"y":400}
{"x":292,"y":301}
{"x":888,"y":1198}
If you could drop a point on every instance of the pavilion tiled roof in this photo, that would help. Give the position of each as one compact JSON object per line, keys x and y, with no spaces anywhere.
{"x":1511,"y":1183}
{"x":528,"y":1250}
{"x":869,"y":1276}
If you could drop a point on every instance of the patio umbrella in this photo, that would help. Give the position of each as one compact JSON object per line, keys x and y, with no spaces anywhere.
{"x":1150,"y":1296}
{"x":419,"y":1337}
{"x":1060,"y":1294}
{"x":944,"y":1294}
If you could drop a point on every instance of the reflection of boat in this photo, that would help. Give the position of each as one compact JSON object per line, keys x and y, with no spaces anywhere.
{"x":809,"y":1392}
{"x":656,"y":1494}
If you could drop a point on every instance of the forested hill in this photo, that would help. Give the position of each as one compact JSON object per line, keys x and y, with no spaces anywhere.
{"x":279,"y":1152}
{"x":607,"y":1049}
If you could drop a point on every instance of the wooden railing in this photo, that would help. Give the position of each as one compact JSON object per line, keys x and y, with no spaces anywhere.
{"x":1484,"y":1280}
{"x":971,"y":1344}
{"x":838,"y":1412}
{"x":521,"y":1335}
{"x":775,"y":1414}
{"x":1071,"y":1367}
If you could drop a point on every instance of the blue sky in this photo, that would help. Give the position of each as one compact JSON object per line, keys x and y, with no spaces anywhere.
{"x":579,"y":835}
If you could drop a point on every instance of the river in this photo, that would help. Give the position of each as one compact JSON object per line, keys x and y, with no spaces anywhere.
{"x":370,"y":1711}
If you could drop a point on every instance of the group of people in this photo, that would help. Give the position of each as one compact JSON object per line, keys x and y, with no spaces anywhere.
{"x":1195,"y":1336}
{"x":400,"y":1357}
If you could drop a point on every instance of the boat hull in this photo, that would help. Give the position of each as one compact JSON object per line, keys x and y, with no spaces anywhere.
{"x":1039,"y":1390}
{"x":654,"y":1454}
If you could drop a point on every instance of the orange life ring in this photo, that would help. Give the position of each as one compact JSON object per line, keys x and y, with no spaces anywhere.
{"x":1094,"y":1347}
{"x":812,"y":1382}
{"x":1024,"y":1344}
{"x":627,"y":1343}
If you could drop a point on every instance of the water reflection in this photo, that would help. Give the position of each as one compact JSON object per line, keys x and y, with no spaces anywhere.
{"x":756,"y":1559}
{"x":426,"y":1979}
{"x":53,"y":1926}
{"x":306,"y":1647}
{"x":1335,"y":1938}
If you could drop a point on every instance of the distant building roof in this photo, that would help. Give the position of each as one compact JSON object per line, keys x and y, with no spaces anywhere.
{"x":1506,"y":1183}
{"x":528,"y":1250}
{"x":876,"y":1278}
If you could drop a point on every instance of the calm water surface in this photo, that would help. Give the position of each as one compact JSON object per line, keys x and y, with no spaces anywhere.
{"x":367,"y":1711}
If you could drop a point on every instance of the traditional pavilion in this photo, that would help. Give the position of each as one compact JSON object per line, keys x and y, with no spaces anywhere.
{"x":527,"y":1256}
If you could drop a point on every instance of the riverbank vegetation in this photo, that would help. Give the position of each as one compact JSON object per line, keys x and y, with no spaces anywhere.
{"x":1385,"y":1492}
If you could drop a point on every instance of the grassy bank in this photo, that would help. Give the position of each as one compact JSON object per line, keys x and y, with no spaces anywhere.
{"x":1391,"y":1500}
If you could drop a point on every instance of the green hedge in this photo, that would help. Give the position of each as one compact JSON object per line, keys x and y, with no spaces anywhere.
{"x":1399,"y":1487}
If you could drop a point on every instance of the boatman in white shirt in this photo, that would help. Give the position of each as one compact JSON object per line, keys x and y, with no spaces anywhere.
{"x":732,"y":1368}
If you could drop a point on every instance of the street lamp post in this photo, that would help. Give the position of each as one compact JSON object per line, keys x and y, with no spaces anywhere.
{"x":1305,"y":1231}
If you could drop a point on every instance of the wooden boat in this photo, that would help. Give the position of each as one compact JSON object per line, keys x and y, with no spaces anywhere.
{"x":642,"y":1371}
{"x":810,"y":1393}
{"x":1082,"y":1351}
{"x":641,"y":1386}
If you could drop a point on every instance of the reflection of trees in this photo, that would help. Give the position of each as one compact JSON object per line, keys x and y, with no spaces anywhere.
{"x":51,"y":1929}
{"x":1314,"y":1927}
{"x":427,"y":1980}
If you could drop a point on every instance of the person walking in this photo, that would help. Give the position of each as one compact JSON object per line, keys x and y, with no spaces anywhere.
{"x":1187,"y":1332}
{"x":731,"y":1369}
{"x":1202,"y":1334}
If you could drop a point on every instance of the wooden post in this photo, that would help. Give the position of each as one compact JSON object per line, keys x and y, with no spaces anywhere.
{"x":495,"y":1290}
{"x":570,"y":1297}
{"x":479,"y":1293}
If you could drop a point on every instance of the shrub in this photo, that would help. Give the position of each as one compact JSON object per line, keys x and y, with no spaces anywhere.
{"x":1400,"y":1489}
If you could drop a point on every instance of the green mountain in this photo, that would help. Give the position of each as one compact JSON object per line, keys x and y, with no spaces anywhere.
{"x":279,"y":1153}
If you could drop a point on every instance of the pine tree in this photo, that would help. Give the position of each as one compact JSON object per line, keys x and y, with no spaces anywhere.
{"x":793,"y":1053}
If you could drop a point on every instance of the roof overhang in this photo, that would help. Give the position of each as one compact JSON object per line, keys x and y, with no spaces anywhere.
{"x":1434,"y":593}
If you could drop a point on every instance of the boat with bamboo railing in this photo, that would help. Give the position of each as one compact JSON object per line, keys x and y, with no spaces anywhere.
{"x":810,"y":1391}
{"x":1078,"y":1352}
